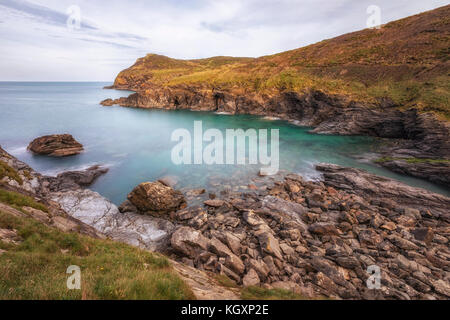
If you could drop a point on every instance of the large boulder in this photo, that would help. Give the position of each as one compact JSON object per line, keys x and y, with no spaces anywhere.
{"x":56,"y":145}
{"x":189,"y":242}
{"x":155,"y":198}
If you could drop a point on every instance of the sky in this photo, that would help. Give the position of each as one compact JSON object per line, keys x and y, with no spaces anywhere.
{"x":81,"y":40}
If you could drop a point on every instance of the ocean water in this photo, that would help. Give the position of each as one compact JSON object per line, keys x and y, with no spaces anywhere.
{"x":136,"y":143}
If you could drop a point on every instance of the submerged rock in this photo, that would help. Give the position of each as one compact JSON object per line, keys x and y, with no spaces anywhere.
{"x":56,"y":145}
{"x":75,"y":179}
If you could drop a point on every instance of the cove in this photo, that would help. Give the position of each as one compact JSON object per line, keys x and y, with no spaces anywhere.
{"x":136,"y":143}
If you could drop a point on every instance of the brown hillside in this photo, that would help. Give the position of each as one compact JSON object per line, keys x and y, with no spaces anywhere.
{"x":406,"y":60}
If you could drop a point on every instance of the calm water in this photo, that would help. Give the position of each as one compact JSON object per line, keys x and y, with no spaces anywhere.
{"x":136,"y":143}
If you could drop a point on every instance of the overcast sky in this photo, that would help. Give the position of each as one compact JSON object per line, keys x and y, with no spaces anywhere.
{"x":36,"y":43}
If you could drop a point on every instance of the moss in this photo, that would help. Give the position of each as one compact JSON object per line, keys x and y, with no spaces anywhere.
{"x":19,"y":200}
{"x":7,"y":171}
{"x":36,"y":268}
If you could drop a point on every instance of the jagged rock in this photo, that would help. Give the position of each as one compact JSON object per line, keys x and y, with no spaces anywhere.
{"x":233,"y":242}
{"x":74,"y":179}
{"x":230,"y":274}
{"x":154,"y":198}
{"x":96,"y":211}
{"x":260,"y":267}
{"x":107,"y":102}
{"x":214,"y":203}
{"x":403,"y":243}
{"x":370,"y":237}
{"x":9,"y":236}
{"x":369,"y":185}
{"x":57,"y":145}
{"x":253,"y":219}
{"x":323,"y":229}
{"x":269,"y":244}
{"x":442,"y":287}
{"x":251,"y":279}
{"x":188,"y":241}
{"x":423,"y":234}
{"x":231,"y":260}
{"x":348,"y":262}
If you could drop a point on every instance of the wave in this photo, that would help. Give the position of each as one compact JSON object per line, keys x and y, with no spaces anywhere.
{"x":55,"y":171}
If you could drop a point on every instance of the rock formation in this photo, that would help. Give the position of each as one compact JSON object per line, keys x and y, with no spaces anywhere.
{"x":56,"y":145}
{"x":154,"y":198}
{"x":320,"y":238}
{"x":316,"y":238}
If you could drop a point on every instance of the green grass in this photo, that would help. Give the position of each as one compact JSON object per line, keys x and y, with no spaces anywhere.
{"x":36,"y":268}
{"x":7,"y":171}
{"x":18,"y":200}
{"x":258,"y":293}
{"x":224,"y":281}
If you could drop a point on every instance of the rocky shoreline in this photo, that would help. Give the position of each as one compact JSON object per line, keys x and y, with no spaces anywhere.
{"x":317,"y":239}
{"x":420,"y":148}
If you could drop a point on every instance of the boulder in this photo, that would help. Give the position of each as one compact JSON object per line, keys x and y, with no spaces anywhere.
{"x":231,"y":260}
{"x":215,"y":203}
{"x":323,"y":229}
{"x":251,"y":279}
{"x":56,"y":145}
{"x":269,"y":244}
{"x":188,"y":241}
{"x":423,"y":234}
{"x":154,"y":198}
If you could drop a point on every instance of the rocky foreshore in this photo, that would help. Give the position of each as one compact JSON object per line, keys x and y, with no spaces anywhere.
{"x":318,"y":239}
{"x":422,"y":147}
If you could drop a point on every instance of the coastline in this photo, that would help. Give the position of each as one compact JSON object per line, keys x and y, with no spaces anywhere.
{"x":312,"y":238}
{"x":419,"y":141}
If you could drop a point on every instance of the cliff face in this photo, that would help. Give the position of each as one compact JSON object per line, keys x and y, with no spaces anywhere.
{"x":388,"y":83}
{"x":405,"y":61}
{"x":423,"y":149}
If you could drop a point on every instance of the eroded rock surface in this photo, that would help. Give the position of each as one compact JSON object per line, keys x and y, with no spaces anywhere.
{"x":420,"y":137}
{"x":319,"y":238}
{"x":56,"y":145}
{"x":156,"y":198}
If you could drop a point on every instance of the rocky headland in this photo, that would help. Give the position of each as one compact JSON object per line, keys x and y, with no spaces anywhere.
{"x":388,"y":83}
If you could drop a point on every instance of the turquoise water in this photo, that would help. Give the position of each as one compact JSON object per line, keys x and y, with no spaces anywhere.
{"x":136,"y":144}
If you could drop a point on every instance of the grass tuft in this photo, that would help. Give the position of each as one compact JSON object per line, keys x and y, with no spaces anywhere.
{"x":18,"y":200}
{"x":36,"y":267}
{"x":7,"y":171}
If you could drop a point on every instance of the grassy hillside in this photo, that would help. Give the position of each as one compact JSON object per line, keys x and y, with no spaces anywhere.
{"x":406,"y":60}
{"x":33,"y":264}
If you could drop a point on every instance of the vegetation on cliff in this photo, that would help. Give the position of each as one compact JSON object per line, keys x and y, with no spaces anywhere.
{"x":406,"y":61}
{"x":34,"y":261}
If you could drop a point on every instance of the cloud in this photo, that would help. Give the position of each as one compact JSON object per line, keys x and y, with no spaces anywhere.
{"x":37,"y":45}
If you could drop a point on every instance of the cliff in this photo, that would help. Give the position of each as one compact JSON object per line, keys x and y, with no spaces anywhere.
{"x":405,"y":62}
{"x":390,"y":83}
